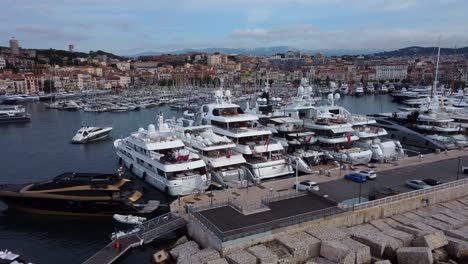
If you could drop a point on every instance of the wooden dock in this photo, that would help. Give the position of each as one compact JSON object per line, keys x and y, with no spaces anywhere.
{"x":147,"y":232}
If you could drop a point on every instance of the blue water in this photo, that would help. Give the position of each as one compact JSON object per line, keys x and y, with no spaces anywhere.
{"x":40,"y":149}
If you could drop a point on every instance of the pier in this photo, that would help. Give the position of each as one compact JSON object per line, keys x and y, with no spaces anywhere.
{"x":144,"y":234}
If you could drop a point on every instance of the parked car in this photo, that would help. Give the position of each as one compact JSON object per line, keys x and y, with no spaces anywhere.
{"x":355,"y":177}
{"x":465,"y":169}
{"x":370,"y":174}
{"x":432,"y":182}
{"x":417,"y":184}
{"x":307,"y":186}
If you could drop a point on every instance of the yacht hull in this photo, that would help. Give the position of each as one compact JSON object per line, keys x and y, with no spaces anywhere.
{"x":270,"y":169}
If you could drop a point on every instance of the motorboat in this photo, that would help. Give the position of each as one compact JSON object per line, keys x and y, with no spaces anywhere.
{"x":359,"y":90}
{"x":162,"y":160}
{"x":129,"y":219}
{"x":78,"y":194}
{"x":344,"y":89}
{"x":370,"y":87}
{"x":8,"y":257}
{"x":13,"y":114}
{"x":88,"y":134}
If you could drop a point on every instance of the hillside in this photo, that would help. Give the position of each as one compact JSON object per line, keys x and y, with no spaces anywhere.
{"x":422,"y":51}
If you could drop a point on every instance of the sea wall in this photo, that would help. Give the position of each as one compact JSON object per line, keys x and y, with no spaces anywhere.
{"x":362,"y":214}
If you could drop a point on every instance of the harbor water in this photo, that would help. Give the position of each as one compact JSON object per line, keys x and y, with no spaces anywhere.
{"x":41,"y":149}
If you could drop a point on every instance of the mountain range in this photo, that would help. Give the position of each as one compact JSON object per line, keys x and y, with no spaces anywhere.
{"x":423,"y":51}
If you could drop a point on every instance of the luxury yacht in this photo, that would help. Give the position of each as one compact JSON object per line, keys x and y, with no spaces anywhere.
{"x":224,"y":164}
{"x":359,"y":90}
{"x":370,"y":87}
{"x":344,"y":89}
{"x":161,"y":159}
{"x":13,"y":114}
{"x":83,"y":194}
{"x":90,"y":134}
{"x":262,"y":153}
{"x":335,"y":135}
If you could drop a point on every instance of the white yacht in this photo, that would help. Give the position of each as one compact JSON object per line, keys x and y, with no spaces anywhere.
{"x":89,"y":134}
{"x":13,"y":114}
{"x":299,"y":144}
{"x":344,"y":89}
{"x":161,"y":159}
{"x":384,"y":88}
{"x":263,"y":154}
{"x":224,"y":164}
{"x":359,"y":90}
{"x":370,"y":87}
{"x":373,"y":138}
{"x":335,"y":135}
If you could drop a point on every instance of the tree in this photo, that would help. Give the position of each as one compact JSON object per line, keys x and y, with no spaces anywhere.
{"x":296,"y":82}
{"x":162,"y":82}
{"x":49,"y":86}
{"x":170,"y":82}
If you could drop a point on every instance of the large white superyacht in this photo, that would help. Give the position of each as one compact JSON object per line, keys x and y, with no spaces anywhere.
{"x":161,"y":159}
{"x":263,"y":154}
{"x":224,"y":164}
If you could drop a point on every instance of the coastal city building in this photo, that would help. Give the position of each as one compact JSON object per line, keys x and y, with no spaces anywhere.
{"x":14,"y":46}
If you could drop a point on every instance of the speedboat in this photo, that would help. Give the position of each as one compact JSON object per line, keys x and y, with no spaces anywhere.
{"x":129,"y":219}
{"x":78,"y":194}
{"x":90,"y":134}
{"x":359,"y":90}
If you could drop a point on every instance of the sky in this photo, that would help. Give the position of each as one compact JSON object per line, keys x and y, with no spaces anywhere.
{"x":128,"y":27}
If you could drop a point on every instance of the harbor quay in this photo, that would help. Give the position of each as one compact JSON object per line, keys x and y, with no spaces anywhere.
{"x":274,"y":222}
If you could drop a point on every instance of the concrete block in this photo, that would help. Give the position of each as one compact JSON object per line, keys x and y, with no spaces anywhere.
{"x":320,"y":261}
{"x":380,"y":224}
{"x":413,"y":216}
{"x":414,"y":255}
{"x":455,"y":215}
{"x":461,"y":233}
{"x":428,"y":211}
{"x":218,"y":261}
{"x":263,"y":254}
{"x":448,"y":220}
{"x":383,"y":262}
{"x":433,"y":241}
{"x":180,"y":241}
{"x":337,"y":252}
{"x":411,"y":230}
{"x":463,"y":201}
{"x":457,"y":248}
{"x":424,"y":227}
{"x":404,"y":237}
{"x":391,"y":222}
{"x":206,"y":254}
{"x":440,"y":255}
{"x":402,"y":219}
{"x":184,"y":251}
{"x":327,"y":233}
{"x":361,"y":251}
{"x":379,"y":243}
{"x":437,"y":224}
{"x":301,"y":245}
{"x":241,"y":257}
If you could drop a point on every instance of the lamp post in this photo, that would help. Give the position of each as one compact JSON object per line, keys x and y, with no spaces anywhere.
{"x":458,"y":168}
{"x":360,"y":188}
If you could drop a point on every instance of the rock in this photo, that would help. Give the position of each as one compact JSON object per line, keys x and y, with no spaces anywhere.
{"x":184,"y":250}
{"x":218,"y":261}
{"x":432,"y":241}
{"x":361,"y":251}
{"x":440,"y":255}
{"x":457,"y":248}
{"x":337,"y":252}
{"x":263,"y":254}
{"x":180,"y":241}
{"x":241,"y":257}
{"x":327,"y":233}
{"x":414,"y":255}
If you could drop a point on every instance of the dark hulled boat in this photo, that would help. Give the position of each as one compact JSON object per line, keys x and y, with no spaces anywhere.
{"x":81,"y":194}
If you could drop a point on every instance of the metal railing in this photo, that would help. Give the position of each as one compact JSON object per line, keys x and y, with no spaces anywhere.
{"x":411,"y":194}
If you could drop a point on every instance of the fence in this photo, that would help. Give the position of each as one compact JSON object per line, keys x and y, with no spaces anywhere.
{"x":411,"y":194}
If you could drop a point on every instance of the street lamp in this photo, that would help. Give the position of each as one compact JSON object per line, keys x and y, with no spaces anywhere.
{"x":297,"y":174}
{"x":360,"y":188}
{"x":458,"y":168}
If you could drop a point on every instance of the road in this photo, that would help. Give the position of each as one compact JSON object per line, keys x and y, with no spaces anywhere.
{"x":445,"y":171}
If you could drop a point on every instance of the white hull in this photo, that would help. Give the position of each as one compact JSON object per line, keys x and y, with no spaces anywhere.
{"x":354,"y":158}
{"x":270,"y":169}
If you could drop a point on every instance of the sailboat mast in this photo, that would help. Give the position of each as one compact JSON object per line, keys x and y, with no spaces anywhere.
{"x":434,"y":87}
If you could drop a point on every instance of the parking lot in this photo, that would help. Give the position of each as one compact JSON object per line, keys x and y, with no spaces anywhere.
{"x":445,"y":171}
